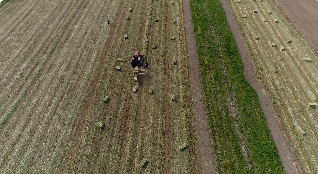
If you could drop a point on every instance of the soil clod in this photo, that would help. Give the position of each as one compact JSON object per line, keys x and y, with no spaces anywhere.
{"x":173,"y":98}
{"x":183,"y":147}
{"x":106,"y":99}
{"x":100,"y":125}
{"x":144,"y":163}
{"x":135,"y":89}
{"x":312,"y":105}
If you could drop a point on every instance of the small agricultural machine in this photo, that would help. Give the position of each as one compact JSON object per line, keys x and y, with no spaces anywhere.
{"x":137,"y":63}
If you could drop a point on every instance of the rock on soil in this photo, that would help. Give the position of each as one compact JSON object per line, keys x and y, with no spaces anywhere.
{"x":135,"y":88}
{"x":100,"y":125}
{"x":106,"y":99}
{"x":183,"y":147}
{"x":144,"y":163}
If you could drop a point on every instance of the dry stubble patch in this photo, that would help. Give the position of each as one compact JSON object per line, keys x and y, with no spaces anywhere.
{"x":67,"y":67}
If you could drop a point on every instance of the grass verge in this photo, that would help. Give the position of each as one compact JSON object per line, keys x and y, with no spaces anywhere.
{"x":241,"y":140}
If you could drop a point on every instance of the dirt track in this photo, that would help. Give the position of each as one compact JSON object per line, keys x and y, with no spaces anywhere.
{"x":287,"y":66}
{"x":304,"y":16}
{"x":58,"y":61}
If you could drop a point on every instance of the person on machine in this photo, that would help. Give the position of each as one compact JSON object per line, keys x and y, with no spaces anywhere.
{"x":135,"y":61}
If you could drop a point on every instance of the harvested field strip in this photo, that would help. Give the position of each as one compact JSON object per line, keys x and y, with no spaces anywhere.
{"x":121,"y":120}
{"x":92,"y":31}
{"x":25,"y":35}
{"x":10,"y":19}
{"x":10,"y":25}
{"x":36,"y":68}
{"x":240,"y":136}
{"x":22,"y":73}
{"x":22,"y":114}
{"x":55,"y":80}
{"x":86,"y":112}
{"x":155,"y":52}
{"x":58,"y":61}
{"x":287,"y":74}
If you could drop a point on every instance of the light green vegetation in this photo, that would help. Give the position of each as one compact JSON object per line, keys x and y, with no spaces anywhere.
{"x":241,"y":139}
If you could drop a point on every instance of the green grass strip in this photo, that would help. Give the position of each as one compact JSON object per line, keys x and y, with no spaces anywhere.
{"x":242,"y":143}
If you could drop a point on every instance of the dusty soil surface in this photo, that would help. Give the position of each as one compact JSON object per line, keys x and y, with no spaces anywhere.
{"x":57,"y":64}
{"x":303,"y":14}
{"x":287,"y":66}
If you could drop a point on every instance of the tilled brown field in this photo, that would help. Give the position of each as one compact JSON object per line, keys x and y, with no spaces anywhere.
{"x":57,"y":64}
{"x":287,"y":65}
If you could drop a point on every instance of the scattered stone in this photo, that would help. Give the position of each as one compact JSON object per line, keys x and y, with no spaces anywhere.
{"x":238,"y":1}
{"x":151,"y":91}
{"x":172,"y":2}
{"x":274,"y":44}
{"x":157,"y":20}
{"x":127,"y":18}
{"x":173,"y":38}
{"x":183,"y":147}
{"x":269,"y":12}
{"x":264,"y":20}
{"x":256,"y":38}
{"x":282,"y":48}
{"x":276,"y":20}
{"x":106,"y":99}
{"x":244,"y":16}
{"x":308,"y":60}
{"x":126,"y":36}
{"x":154,"y":47}
{"x":144,"y":163}
{"x":135,"y":88}
{"x":255,"y":11}
{"x":130,"y":9}
{"x":118,"y":68}
{"x":312,"y":105}
{"x":290,"y":41}
{"x":100,"y":125}
{"x":174,"y":22}
{"x":173,"y":98}
{"x":175,"y":61}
